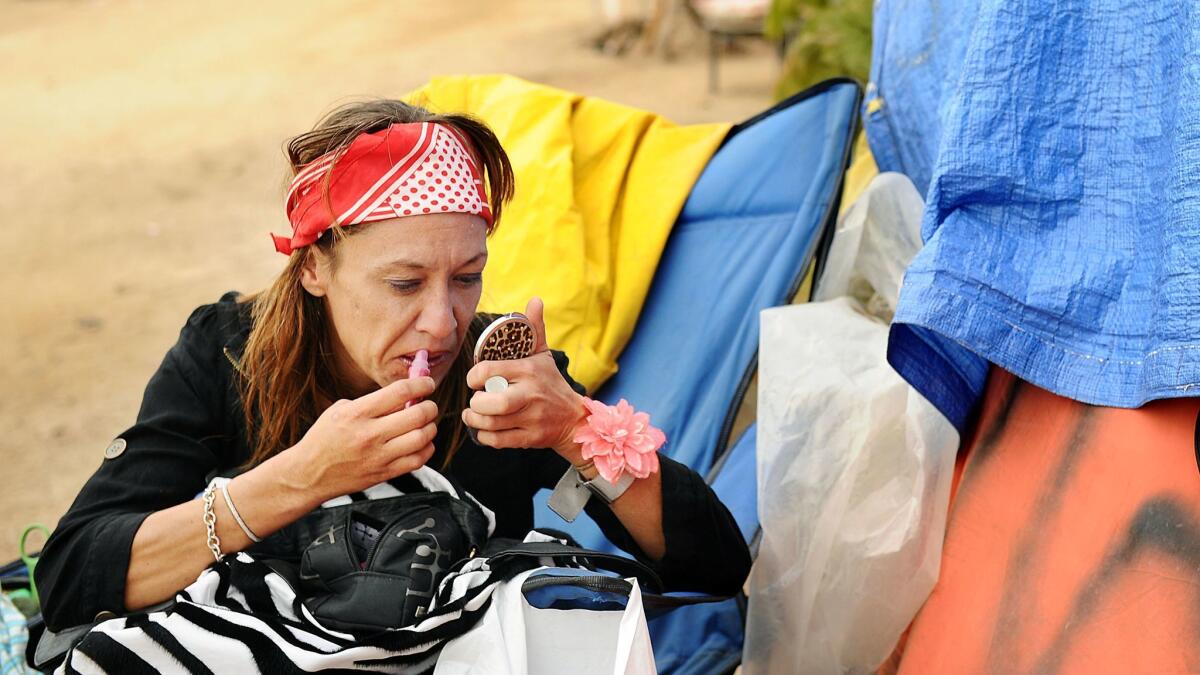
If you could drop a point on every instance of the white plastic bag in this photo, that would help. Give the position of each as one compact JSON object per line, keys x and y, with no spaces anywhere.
{"x":515,"y":638}
{"x":875,"y":240}
{"x":854,"y":466}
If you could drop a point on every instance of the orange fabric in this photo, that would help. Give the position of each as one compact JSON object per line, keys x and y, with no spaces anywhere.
{"x":1073,"y":543}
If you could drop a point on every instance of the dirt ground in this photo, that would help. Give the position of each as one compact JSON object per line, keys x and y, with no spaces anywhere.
{"x":141,"y":172}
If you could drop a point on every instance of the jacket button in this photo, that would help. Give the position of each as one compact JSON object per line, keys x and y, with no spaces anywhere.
{"x":115,"y":449}
{"x":104,"y":616}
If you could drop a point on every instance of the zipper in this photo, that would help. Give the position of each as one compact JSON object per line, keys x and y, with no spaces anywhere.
{"x":828,"y":225}
{"x":370,"y":552}
{"x":597,"y":583}
{"x":233,"y":361}
{"x":379,"y":537}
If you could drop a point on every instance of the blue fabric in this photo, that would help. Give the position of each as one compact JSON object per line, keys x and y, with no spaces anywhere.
{"x":735,"y":477}
{"x":1058,"y":145}
{"x":698,"y":639}
{"x":674,"y":635}
{"x":917,"y":52}
{"x":948,"y":375}
{"x":741,"y":244}
{"x":13,"y":638}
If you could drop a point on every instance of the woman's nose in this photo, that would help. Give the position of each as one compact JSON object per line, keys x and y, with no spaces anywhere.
{"x":437,"y":319}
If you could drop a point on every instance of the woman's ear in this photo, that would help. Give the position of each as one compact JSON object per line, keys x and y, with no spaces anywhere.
{"x":314,"y":274}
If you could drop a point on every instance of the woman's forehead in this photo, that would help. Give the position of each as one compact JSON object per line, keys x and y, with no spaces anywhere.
{"x":418,"y":242}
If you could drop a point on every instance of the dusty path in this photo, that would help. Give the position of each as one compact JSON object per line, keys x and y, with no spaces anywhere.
{"x":139,"y":149}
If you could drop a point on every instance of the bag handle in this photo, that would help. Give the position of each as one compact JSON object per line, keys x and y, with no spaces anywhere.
{"x":654,"y":601}
{"x":626,"y":567}
{"x":30,"y":560}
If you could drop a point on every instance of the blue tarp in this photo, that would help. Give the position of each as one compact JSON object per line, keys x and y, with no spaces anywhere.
{"x":1058,"y":148}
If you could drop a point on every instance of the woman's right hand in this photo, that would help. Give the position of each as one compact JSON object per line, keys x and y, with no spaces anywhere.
{"x":352,"y":446}
{"x":358,"y":443}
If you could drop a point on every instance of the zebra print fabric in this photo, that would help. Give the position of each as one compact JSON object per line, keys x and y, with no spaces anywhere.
{"x":243,"y":615}
{"x":240,"y":616}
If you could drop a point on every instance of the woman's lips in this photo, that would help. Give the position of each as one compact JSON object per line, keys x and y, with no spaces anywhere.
{"x":435,"y":359}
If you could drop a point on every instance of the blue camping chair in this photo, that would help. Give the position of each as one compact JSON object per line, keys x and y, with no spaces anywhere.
{"x":743,"y":242}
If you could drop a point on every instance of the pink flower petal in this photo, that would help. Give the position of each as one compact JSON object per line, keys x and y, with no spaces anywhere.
{"x":596,"y":449}
{"x":595,"y":407}
{"x":657,"y":437}
{"x":619,"y":438}
{"x":635,"y":461}
{"x":641,"y":444}
{"x":610,"y":467}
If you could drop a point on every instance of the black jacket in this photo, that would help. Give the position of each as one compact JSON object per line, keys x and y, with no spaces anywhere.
{"x":190,"y":427}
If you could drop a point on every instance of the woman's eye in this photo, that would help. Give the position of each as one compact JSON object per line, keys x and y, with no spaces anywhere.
{"x":404,"y":285}
{"x":469,"y":279}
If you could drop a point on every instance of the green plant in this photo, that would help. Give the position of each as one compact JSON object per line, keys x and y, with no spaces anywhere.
{"x":824,"y":38}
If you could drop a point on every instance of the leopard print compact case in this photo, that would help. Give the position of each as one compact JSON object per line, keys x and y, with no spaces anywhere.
{"x":507,"y":338}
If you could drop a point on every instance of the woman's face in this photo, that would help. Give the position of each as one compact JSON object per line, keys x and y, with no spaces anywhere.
{"x":399,"y":286}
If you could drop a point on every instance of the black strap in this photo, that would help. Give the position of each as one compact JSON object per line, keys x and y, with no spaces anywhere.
{"x":654,"y":600}
{"x":614,"y":563}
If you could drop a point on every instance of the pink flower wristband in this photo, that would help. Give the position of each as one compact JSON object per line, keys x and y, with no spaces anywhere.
{"x":619,"y":439}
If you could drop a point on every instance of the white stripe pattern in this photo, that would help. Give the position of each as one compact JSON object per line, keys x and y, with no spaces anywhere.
{"x":240,"y":615}
{"x":422,"y":146}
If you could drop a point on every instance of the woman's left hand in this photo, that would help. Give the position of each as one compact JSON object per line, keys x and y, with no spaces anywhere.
{"x":537,"y":410}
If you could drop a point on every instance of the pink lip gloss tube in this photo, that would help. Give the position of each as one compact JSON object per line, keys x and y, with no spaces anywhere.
{"x":419,"y":368}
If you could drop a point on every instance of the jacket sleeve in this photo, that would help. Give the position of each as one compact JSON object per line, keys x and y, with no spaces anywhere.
{"x":177,"y":441}
{"x":705,"y":550}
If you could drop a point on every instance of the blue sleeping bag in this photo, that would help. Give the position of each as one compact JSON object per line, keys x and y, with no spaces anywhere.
{"x":742,"y":243}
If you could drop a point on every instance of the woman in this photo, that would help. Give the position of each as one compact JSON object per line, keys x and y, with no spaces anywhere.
{"x":302,"y":392}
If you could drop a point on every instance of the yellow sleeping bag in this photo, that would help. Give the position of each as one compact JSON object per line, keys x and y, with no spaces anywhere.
{"x":598,"y":187}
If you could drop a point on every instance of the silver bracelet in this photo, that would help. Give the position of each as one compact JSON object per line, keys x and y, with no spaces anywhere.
{"x":237,"y":516}
{"x":573,"y":491}
{"x":210,"y":521}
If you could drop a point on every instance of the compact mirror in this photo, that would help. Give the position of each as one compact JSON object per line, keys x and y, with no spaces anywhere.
{"x":508,"y":338}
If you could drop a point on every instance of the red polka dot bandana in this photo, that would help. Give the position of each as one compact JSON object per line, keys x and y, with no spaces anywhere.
{"x":404,"y":170}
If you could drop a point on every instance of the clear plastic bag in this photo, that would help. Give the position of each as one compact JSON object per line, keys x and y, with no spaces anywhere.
{"x":854,"y":466}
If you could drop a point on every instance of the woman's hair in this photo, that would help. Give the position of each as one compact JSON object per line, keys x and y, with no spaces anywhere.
{"x":287,"y":379}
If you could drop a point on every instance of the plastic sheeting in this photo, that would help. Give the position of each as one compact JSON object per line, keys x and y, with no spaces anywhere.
{"x":874,"y":241}
{"x":1057,"y":145}
{"x":854,"y":466}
